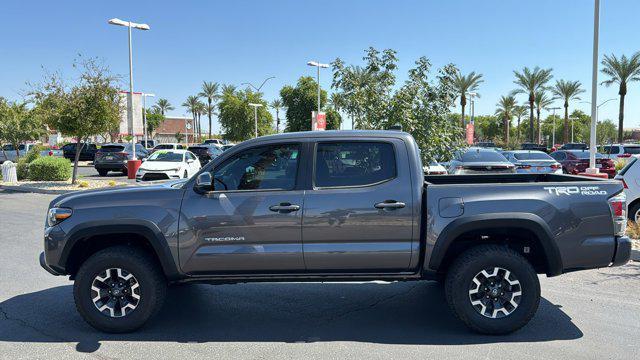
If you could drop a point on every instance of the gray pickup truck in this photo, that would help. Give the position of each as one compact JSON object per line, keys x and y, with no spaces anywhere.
{"x":338,"y":206}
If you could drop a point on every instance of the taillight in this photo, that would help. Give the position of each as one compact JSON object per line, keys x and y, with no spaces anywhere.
{"x":555,"y":166}
{"x":523,"y":166}
{"x":624,"y":155}
{"x":618,"y":207}
{"x":624,"y":184}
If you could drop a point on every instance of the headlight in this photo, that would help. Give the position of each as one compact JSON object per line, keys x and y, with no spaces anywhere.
{"x":174,"y":169}
{"x":56,"y":215}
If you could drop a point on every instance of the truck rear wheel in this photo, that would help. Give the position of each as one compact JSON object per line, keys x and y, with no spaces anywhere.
{"x":119,"y":289}
{"x":492,"y":289}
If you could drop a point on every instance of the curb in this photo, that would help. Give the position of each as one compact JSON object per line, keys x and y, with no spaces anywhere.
{"x":28,"y":189}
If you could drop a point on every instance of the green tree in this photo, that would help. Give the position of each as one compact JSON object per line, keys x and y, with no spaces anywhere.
{"x":91,"y":107}
{"x":519,"y":112}
{"x":154,"y":119}
{"x":606,"y":132}
{"x":237,"y":117}
{"x":465,"y":84}
{"x":300,"y":101}
{"x":192,"y":104}
{"x":367,"y":91}
{"x":18,"y":124}
{"x":276,"y":105}
{"x":528,"y":82}
{"x":542,"y":102}
{"x":505,"y":108}
{"x":567,"y":91}
{"x":621,"y":71}
{"x":211,"y":92}
{"x":487,"y":127}
{"x":179,"y":137}
{"x":163,"y":105}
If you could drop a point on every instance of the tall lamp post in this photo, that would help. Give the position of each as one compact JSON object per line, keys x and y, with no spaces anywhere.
{"x":598,"y":106}
{"x":318,"y":65}
{"x":594,"y":90}
{"x":553,"y":134}
{"x":144,"y":117}
{"x":255,"y":112}
{"x":471,"y":104}
{"x":261,"y":85}
{"x":130,"y":25}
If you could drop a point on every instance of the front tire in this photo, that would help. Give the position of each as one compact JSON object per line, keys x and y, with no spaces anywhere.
{"x":103,"y":172}
{"x":492,"y":289}
{"x":634,"y":212}
{"x":119,"y":289}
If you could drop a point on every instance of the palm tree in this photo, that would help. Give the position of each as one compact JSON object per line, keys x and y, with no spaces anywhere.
{"x":200,"y":110}
{"x":542,"y":102}
{"x":210,"y":91}
{"x":519,"y":111}
{"x":163,"y":105}
{"x":465,"y":84}
{"x":529,"y":82}
{"x":506,"y":108}
{"x":567,"y":90}
{"x":621,"y":71}
{"x":276,"y":104}
{"x":192,"y":105}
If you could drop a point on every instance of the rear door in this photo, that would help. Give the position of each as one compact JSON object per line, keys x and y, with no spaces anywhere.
{"x":358,"y":214}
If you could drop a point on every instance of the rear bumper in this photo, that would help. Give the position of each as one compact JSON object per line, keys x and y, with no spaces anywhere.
{"x":111,"y":166}
{"x":623,"y":251}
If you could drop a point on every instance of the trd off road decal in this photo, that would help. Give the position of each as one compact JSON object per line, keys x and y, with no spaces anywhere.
{"x":575,"y":190}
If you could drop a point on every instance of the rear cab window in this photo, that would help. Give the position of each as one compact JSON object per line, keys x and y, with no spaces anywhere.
{"x":111,"y":148}
{"x":353,"y":163}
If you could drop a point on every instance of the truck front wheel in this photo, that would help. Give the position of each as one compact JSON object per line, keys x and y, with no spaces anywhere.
{"x":492,"y":289}
{"x":118,"y":289}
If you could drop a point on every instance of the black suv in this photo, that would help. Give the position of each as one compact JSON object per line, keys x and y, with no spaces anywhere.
{"x":114,"y":157}
{"x":205,"y":153}
{"x":87,"y":153}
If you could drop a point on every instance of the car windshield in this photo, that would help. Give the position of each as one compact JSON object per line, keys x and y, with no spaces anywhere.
{"x":482,"y":156}
{"x":584,"y":154}
{"x":111,"y":148}
{"x":533,"y":155}
{"x":165,"y":156}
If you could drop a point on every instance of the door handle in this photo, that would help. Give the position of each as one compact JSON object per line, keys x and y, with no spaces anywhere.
{"x":390,"y":204}
{"x":284,"y":208}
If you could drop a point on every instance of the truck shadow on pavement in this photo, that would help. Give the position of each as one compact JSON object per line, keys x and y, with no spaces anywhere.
{"x":394,"y":313}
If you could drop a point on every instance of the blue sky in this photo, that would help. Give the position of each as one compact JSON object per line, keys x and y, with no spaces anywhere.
{"x":247,"y":41}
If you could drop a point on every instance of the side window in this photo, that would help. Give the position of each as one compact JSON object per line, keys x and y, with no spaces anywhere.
{"x":271,"y":167}
{"x":608,"y":150}
{"x":558,"y":155}
{"x":354,"y":163}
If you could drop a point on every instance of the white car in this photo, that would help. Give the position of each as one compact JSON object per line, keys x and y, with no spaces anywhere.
{"x":620,"y":151}
{"x":167,"y":165}
{"x":434,"y":168}
{"x":630,"y":177}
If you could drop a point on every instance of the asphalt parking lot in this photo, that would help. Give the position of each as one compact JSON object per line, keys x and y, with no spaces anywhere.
{"x":583,"y":315}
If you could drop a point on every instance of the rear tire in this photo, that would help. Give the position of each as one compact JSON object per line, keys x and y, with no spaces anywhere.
{"x":514,"y":290}
{"x":634,"y":212}
{"x":128,"y":266}
{"x":103,"y":172}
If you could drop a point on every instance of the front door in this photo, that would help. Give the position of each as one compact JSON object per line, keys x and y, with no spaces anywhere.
{"x":358,"y":216}
{"x":252,"y":222}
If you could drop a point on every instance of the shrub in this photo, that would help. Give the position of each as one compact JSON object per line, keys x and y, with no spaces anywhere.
{"x":83,"y":184}
{"x":633,"y":230}
{"x":112,"y":183}
{"x":50,"y":169}
{"x":620,"y":163}
{"x":22,"y":169}
{"x":34,"y":153}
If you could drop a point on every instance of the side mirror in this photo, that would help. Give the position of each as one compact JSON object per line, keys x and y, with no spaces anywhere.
{"x":204,"y":183}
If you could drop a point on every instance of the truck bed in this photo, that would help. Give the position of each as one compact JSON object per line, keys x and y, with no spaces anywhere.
{"x":505,"y":178}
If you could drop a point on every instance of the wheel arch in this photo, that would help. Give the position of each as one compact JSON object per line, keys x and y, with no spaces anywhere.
{"x":93,"y":237}
{"x":516,"y":224}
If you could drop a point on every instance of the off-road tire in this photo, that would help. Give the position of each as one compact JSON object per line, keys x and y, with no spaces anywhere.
{"x":460,"y":278}
{"x":152,"y":288}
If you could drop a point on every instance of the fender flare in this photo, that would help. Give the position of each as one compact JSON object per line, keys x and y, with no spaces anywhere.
{"x":144,"y":228}
{"x":526,"y":221}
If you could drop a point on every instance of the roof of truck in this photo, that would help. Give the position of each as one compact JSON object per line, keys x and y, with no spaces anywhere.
{"x":334,"y":134}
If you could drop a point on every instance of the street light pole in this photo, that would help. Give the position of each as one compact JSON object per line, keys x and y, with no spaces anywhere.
{"x":130,"y":25}
{"x":255,"y":112}
{"x":261,"y":85}
{"x":318,"y":65}
{"x":144,"y":117}
{"x":594,"y":89}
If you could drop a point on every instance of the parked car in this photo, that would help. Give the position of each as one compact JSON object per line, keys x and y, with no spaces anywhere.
{"x":620,"y":151}
{"x":167,"y":146}
{"x":365,"y":210}
{"x":533,"y":161}
{"x":574,"y":146}
{"x":630,"y":178}
{"x":114,"y":157}
{"x":205,"y":153}
{"x":87,"y":153}
{"x":216,"y":142}
{"x":149,"y":144}
{"x":480,"y":161}
{"x":9,"y":152}
{"x":487,"y":145}
{"x":577,"y":161}
{"x":533,"y":146}
{"x":435,"y":168}
{"x":168,"y":164}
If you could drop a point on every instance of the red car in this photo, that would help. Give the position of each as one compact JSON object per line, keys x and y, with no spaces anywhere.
{"x":577,"y":161}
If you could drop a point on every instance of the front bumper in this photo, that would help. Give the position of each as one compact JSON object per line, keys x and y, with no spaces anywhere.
{"x":44,"y":265}
{"x":623,"y":251}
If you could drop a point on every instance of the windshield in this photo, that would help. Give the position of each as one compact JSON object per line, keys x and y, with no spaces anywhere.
{"x":482,"y":156}
{"x":584,"y":155}
{"x":532,"y":156}
{"x":632,"y":149}
{"x":165,"y":156}
{"x":163,"y":146}
{"x":112,"y":148}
